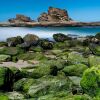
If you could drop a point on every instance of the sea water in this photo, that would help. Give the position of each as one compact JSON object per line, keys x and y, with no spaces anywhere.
{"x":46,"y":32}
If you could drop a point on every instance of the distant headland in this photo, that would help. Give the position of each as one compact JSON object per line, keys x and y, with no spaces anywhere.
{"x":54,"y":17}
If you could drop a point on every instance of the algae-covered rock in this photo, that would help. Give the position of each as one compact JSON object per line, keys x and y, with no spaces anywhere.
{"x":98,"y":35}
{"x":76,"y":88}
{"x":6,"y":79}
{"x":81,"y":97}
{"x":50,"y":85}
{"x":3,"y":44}
{"x":45,"y":44}
{"x":59,"y":63}
{"x":4,"y":58}
{"x":24,"y":46}
{"x":3,"y":97}
{"x":31,"y":39}
{"x":46,"y":67}
{"x":30,"y":56}
{"x":17,"y":74}
{"x":91,"y":81}
{"x":24,"y":84}
{"x":13,"y":41}
{"x":75,"y":70}
{"x":15,"y":96}
{"x":36,"y":49}
{"x":61,"y":45}
{"x":76,"y":58}
{"x":10,"y":51}
{"x":95,"y":49}
{"x":40,"y":71}
{"x":59,"y":37}
{"x":76,"y":80}
{"x":56,"y":51}
{"x":63,"y":95}
{"x":93,"y":60}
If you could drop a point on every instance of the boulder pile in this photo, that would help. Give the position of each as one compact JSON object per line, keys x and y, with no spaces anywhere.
{"x":65,"y":68}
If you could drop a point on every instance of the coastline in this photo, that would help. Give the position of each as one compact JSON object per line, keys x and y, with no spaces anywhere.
{"x":49,"y":24}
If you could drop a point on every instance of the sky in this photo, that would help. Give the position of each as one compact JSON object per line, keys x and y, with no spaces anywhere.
{"x":79,"y":10}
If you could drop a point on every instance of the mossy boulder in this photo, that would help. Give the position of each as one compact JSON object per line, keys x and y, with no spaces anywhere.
{"x":56,"y":52}
{"x":13,"y":41}
{"x":4,"y":58}
{"x":24,"y":46}
{"x":61,"y":45}
{"x":40,"y":71}
{"x":95,"y":49}
{"x":15,"y":96}
{"x":45,"y":44}
{"x":3,"y":97}
{"x":11,"y":51}
{"x":30,"y":56}
{"x":42,"y":86}
{"x":63,"y":95}
{"x":59,"y":37}
{"x":17,"y":74}
{"x":3,"y":44}
{"x":97,"y":36}
{"x":75,"y":70}
{"x":76,"y":58}
{"x":49,"y":85}
{"x":91,"y":81}
{"x":31,"y":39}
{"x":36,"y":49}
{"x":24,"y":84}
{"x":6,"y":76}
{"x":93,"y":60}
{"x":48,"y":67}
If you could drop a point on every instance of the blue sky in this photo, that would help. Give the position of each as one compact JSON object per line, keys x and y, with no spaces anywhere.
{"x":79,"y":10}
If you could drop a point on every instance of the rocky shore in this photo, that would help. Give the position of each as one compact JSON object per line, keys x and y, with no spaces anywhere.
{"x":65,"y":68}
{"x":55,"y":17}
{"x":50,"y":24}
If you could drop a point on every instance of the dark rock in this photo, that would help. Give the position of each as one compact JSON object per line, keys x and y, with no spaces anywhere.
{"x":13,"y":41}
{"x":24,"y":45}
{"x":54,"y":15}
{"x":45,"y":44}
{"x":13,"y":51}
{"x":95,"y":49}
{"x":6,"y":79}
{"x":91,"y":39}
{"x":31,"y":39}
{"x":59,"y":37}
{"x":3,"y":44}
{"x":97,"y":36}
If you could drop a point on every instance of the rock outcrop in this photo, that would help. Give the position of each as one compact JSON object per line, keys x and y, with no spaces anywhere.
{"x":20,"y":18}
{"x":54,"y":15}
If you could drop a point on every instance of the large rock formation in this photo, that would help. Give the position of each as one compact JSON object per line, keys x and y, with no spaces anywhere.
{"x":20,"y":18}
{"x":54,"y":15}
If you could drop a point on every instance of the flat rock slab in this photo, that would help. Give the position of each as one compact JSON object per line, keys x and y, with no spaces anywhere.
{"x":19,"y":64}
